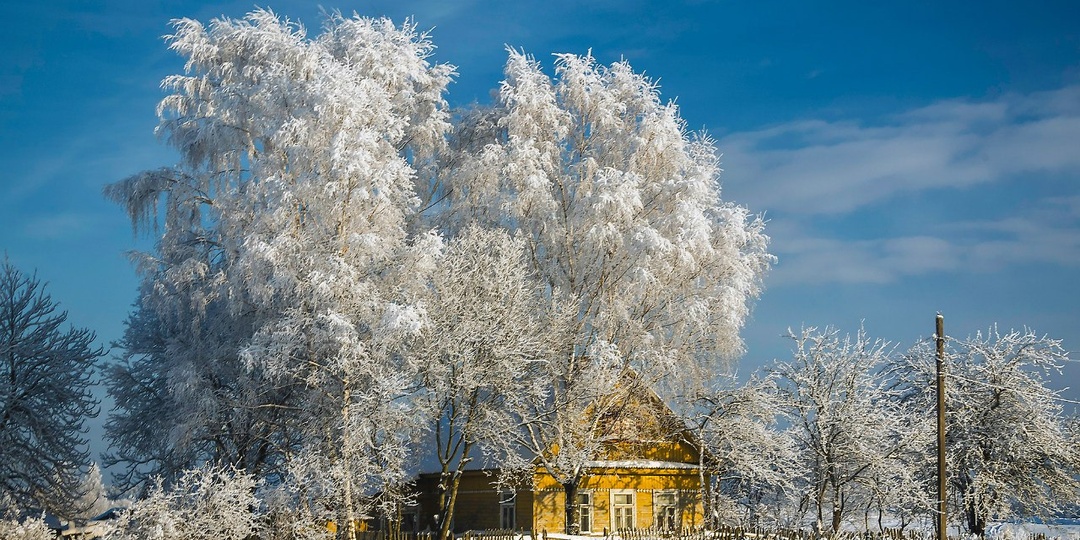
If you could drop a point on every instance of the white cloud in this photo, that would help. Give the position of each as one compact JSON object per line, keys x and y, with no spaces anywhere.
{"x":1004,"y":174}
{"x":1048,"y":233}
{"x":834,"y":167}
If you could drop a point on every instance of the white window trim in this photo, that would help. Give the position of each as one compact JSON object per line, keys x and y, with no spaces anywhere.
{"x":592,"y":510}
{"x":633,"y":507}
{"x":656,"y":507}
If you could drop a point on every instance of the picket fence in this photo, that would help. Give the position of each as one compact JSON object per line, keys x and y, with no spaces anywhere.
{"x":468,"y":535}
{"x":752,"y":533}
{"x":720,"y":533}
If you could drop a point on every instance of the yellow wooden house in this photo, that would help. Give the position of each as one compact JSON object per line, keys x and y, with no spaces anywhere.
{"x":647,"y":475}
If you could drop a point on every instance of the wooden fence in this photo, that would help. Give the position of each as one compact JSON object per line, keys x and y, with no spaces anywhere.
{"x":468,"y":535}
{"x":721,"y":533}
{"x":752,"y":533}
{"x":758,"y":533}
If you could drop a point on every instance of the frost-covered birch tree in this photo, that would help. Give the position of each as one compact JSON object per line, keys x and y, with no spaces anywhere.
{"x":46,"y":373}
{"x":290,"y":215}
{"x":619,"y":208}
{"x":488,"y":333}
{"x":1010,"y":450}
{"x":846,"y":423}
{"x":748,"y":464}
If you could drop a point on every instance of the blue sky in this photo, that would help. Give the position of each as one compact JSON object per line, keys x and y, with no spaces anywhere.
{"x":911,"y":157}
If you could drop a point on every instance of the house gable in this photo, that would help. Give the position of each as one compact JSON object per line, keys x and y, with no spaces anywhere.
{"x":636,"y":424}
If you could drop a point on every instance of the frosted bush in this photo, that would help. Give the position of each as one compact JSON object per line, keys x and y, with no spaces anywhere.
{"x":31,"y":528}
{"x":285,"y":518}
{"x":208,"y":503}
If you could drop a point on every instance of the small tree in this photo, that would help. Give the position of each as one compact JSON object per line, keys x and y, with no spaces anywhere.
{"x":487,"y":330}
{"x":45,"y":377}
{"x":29,"y":528}
{"x":749,"y":462}
{"x":95,"y":498}
{"x":1010,"y":451}
{"x":846,"y":424}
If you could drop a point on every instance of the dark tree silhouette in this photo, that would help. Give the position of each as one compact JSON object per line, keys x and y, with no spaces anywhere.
{"x":46,"y":373}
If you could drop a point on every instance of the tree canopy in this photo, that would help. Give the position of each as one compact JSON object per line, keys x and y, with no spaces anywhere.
{"x":46,"y":373}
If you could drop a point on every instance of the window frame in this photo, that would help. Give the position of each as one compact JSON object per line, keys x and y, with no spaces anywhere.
{"x":673,"y":517}
{"x":508,"y":507}
{"x":617,"y":516}
{"x":585,"y":509}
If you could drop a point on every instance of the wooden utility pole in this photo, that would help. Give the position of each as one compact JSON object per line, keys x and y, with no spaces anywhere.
{"x":942,"y":520}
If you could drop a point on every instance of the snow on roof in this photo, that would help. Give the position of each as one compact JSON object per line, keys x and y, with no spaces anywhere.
{"x":639,"y":464}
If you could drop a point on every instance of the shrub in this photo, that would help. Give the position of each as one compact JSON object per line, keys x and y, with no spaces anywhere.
{"x":30,"y":528}
{"x":209,"y":503}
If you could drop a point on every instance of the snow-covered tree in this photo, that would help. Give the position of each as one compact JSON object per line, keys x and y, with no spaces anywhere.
{"x":487,"y":333}
{"x":849,"y":430}
{"x":94,"y":497}
{"x":202,"y":504}
{"x":184,"y":396}
{"x":288,"y":237}
{"x":29,"y":528}
{"x":620,"y":212}
{"x":748,"y":465}
{"x":46,"y":371}
{"x":1010,"y":451}
{"x":619,"y":207}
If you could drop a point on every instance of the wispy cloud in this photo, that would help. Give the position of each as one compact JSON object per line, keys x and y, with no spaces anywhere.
{"x":835,"y":167}
{"x":1046,"y":234}
{"x":61,"y":226}
{"x":820,"y":180}
{"x":812,"y":259}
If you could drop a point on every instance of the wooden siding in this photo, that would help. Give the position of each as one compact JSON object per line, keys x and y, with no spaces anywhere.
{"x":602,"y":483}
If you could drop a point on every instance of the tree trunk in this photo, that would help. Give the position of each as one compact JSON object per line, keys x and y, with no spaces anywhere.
{"x":443,"y":488}
{"x":350,"y":511}
{"x":819,"y":524}
{"x":976,"y":522}
{"x":448,"y":510}
{"x":838,"y":504}
{"x":570,"y":489}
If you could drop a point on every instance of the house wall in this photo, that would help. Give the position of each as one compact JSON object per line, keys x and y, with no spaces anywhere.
{"x":479,"y":503}
{"x":642,"y":483}
{"x":540,"y":507}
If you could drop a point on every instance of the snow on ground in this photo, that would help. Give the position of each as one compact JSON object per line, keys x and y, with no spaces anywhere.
{"x":1057,"y":528}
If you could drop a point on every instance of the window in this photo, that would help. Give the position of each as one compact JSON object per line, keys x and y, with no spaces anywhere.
{"x":584,"y":512}
{"x":622,"y":510}
{"x":507,"y":514}
{"x":666,"y":510}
